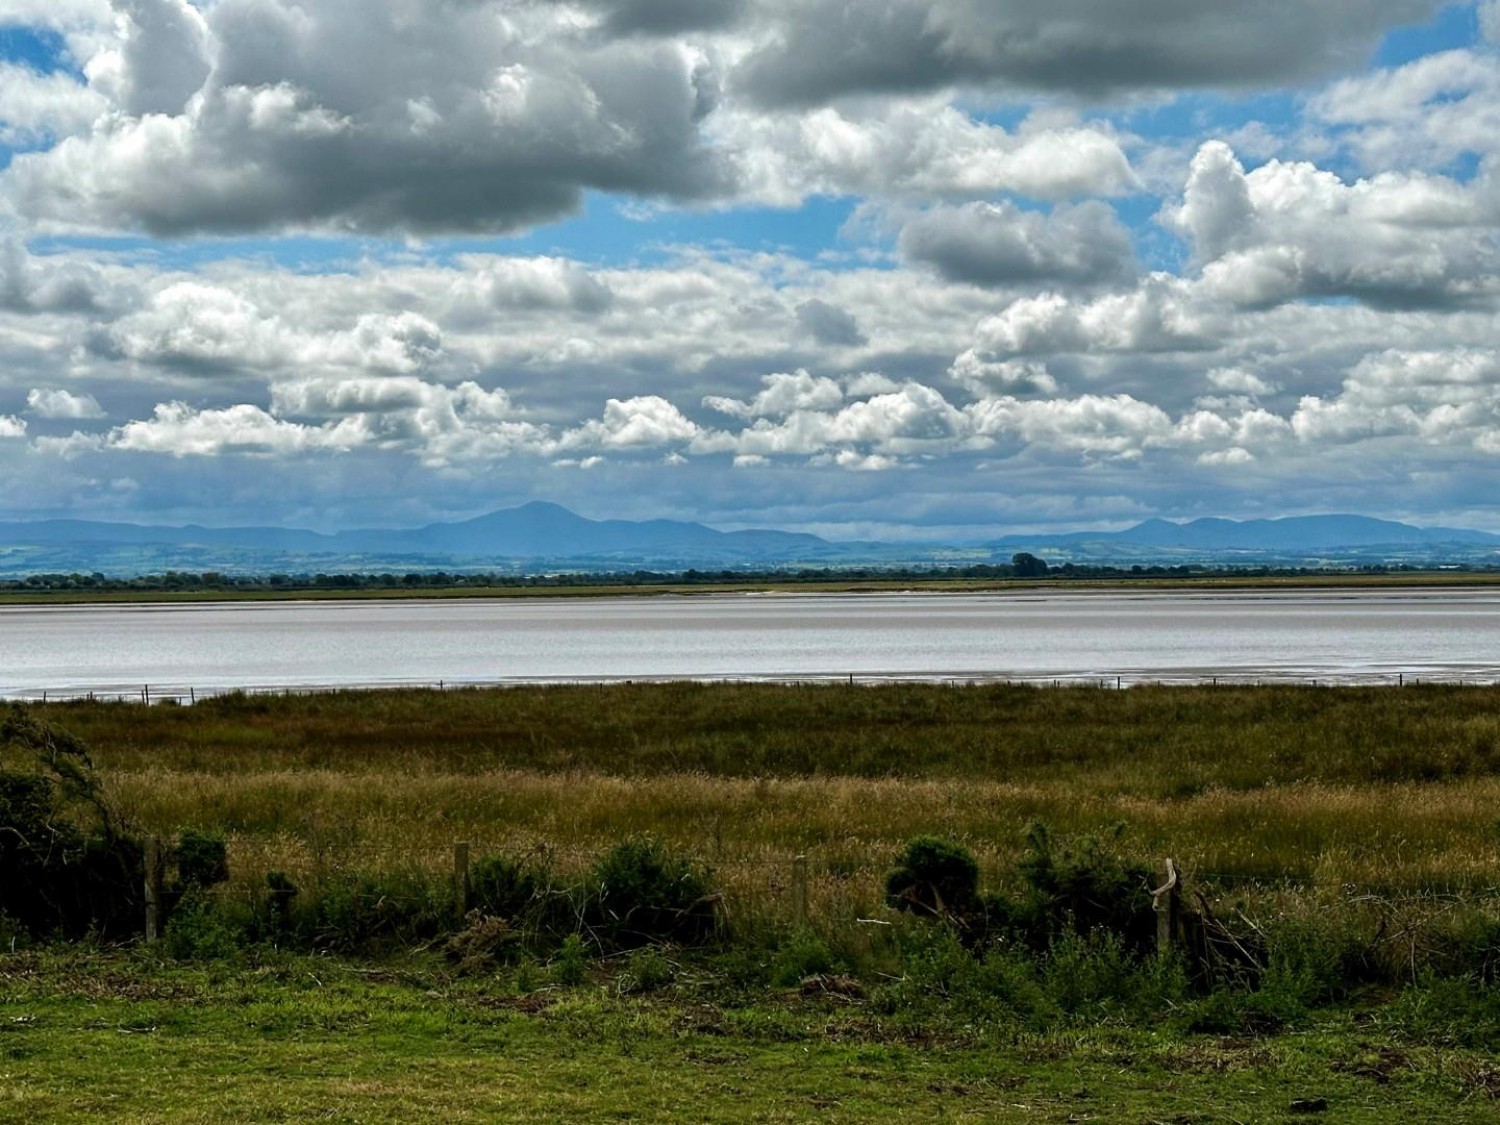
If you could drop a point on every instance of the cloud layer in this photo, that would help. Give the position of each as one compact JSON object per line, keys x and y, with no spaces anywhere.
{"x":851,"y":267}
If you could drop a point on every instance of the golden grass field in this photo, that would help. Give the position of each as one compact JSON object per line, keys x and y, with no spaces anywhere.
{"x":1317,"y":795}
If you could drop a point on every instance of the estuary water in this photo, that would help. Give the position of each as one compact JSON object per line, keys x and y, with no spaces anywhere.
{"x":1352,"y":635}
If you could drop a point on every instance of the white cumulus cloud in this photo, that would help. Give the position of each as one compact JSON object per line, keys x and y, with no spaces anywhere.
{"x":54,"y":402}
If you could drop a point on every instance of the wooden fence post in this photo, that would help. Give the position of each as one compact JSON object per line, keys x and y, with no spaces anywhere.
{"x":1167,"y":901}
{"x":799,"y":891}
{"x":461,"y":878}
{"x":153,"y":889}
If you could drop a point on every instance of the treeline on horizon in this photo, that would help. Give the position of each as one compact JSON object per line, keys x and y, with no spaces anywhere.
{"x":1024,"y":567}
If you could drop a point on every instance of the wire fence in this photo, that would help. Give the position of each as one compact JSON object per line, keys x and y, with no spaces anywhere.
{"x":181,"y":694}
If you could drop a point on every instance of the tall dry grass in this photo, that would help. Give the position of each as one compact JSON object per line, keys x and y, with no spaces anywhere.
{"x":1300,"y":790}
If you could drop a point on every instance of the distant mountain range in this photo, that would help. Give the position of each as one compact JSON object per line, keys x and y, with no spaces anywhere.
{"x":1290,"y":537}
{"x":542,"y":536}
{"x":532,"y":536}
{"x":536,"y":530}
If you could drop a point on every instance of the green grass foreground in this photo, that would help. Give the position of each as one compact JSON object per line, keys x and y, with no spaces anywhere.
{"x":123,"y":1037}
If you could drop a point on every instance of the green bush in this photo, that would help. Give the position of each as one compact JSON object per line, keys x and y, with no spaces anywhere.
{"x":571,"y":963}
{"x":1238,"y":1011}
{"x":1097,"y":974}
{"x":202,"y":859}
{"x":1070,"y":888}
{"x":369,"y":912}
{"x":69,"y":867}
{"x":646,"y":970}
{"x":1312,"y":964}
{"x":935,"y":878}
{"x":804,"y":954}
{"x":504,"y":887}
{"x":1455,"y":1011}
{"x":639,"y":892}
{"x":1079,"y":887}
{"x":935,"y":966}
{"x":203,"y":930}
{"x":526,"y":894}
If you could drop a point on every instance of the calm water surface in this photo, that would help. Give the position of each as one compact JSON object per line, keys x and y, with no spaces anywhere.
{"x":1346,"y":635}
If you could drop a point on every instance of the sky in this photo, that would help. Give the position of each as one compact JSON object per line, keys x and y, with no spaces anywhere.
{"x":903,"y":269}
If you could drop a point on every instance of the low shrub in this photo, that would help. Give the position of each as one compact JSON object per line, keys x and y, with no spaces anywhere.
{"x":1081,"y":887}
{"x":1454,"y":1011}
{"x":802,"y":955}
{"x":646,"y":970}
{"x":203,"y":930}
{"x":370,"y":912}
{"x":281,"y":892}
{"x":639,"y":892}
{"x":524,"y":892}
{"x":1313,"y":962}
{"x":1069,"y":888}
{"x":570,"y":965}
{"x":201,"y":859}
{"x":935,"y":878}
{"x":69,"y":866}
{"x":935,"y":966}
{"x":1239,"y":1011}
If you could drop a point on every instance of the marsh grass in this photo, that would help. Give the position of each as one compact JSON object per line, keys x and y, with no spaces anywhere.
{"x":1148,"y":740}
{"x":1296,"y":800}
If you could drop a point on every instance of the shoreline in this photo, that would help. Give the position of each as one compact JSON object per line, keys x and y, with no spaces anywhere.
{"x":188,"y":695}
{"x":1456,"y":580}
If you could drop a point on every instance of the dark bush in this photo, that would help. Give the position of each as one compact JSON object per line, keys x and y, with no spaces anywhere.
{"x":647,"y":969}
{"x":1079,"y":887}
{"x":570,"y":966}
{"x":1068,"y":889}
{"x":366,"y":913}
{"x":69,"y":868}
{"x":202,"y":860}
{"x":1456,"y":1011}
{"x":639,"y":893}
{"x":935,"y":878}
{"x":526,"y":894}
{"x":504,"y":887}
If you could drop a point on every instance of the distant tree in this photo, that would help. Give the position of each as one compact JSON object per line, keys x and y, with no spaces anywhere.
{"x":1028,"y":566}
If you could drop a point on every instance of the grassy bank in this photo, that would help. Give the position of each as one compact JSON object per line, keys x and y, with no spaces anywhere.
{"x":1387,"y":791}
